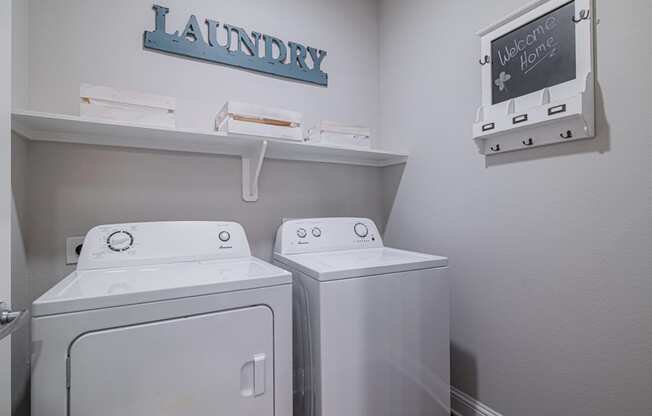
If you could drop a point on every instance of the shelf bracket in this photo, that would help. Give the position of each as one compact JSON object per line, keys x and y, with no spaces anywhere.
{"x":252,"y":163}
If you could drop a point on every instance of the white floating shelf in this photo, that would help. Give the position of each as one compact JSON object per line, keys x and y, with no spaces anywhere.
{"x":72,"y":129}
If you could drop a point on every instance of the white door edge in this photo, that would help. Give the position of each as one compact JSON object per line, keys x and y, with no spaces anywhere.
{"x":5,"y":199}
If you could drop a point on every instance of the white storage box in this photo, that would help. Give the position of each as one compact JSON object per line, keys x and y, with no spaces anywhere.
{"x":257,"y":120}
{"x":130,"y":106}
{"x":231,"y":126}
{"x":260,"y":114}
{"x":334,"y":127}
{"x":342,"y":140}
{"x":328,"y":132}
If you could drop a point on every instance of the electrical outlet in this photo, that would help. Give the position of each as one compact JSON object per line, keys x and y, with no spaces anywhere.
{"x":73,"y":246}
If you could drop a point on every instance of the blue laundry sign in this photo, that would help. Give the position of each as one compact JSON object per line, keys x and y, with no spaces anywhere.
{"x":238,"y":48}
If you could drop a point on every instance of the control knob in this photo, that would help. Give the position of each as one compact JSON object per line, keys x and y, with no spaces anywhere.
{"x":119,"y":241}
{"x":361,"y":230}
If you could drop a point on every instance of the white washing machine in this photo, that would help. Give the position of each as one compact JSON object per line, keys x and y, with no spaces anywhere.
{"x":371,"y":323}
{"x":164,"y":319}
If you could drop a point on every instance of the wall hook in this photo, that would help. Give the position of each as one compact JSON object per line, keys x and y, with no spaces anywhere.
{"x":530,"y":142}
{"x":485,"y":60}
{"x":568,"y":135}
{"x":585,"y":14}
{"x":495,"y":148}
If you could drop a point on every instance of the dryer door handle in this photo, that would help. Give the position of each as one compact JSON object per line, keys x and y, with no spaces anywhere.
{"x":252,"y":376}
{"x":259,"y":374}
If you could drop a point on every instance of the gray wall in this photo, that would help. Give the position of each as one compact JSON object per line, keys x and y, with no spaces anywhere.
{"x":550,"y":249}
{"x":72,"y":188}
{"x":102,"y":44}
{"x":64,"y":190}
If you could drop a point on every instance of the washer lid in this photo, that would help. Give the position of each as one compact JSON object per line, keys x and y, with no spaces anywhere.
{"x":346,"y":264}
{"x":104,"y":288}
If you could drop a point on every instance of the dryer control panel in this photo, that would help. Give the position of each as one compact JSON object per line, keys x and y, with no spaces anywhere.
{"x":120,"y":245}
{"x":326,"y":234}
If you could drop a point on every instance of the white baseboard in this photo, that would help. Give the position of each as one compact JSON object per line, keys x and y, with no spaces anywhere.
{"x":464,"y":405}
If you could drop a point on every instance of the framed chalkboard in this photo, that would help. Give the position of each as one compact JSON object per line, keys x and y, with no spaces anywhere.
{"x":534,"y":56}
{"x":538,"y":77}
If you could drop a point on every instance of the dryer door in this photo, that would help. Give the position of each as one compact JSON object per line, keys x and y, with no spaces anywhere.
{"x":214,"y":364}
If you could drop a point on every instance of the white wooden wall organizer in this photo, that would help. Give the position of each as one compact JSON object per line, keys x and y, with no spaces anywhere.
{"x":537,"y":77}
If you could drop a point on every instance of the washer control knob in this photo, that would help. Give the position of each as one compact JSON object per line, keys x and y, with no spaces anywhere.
{"x":302,"y":233}
{"x":316,"y":232}
{"x":120,"y":241}
{"x":360,"y":230}
{"x":224,"y":236}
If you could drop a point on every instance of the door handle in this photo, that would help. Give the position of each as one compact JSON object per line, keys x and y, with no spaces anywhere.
{"x":11,"y":321}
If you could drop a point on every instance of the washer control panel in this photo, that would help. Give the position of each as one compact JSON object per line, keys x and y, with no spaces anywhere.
{"x":161,"y":242}
{"x":324,"y":234}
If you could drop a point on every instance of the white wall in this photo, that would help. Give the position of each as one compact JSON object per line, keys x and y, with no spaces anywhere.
{"x":21,"y":299}
{"x":20,"y":54}
{"x":19,"y":272}
{"x":550,"y":249}
{"x":5,"y":198}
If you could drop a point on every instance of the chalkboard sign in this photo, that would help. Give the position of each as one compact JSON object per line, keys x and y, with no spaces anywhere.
{"x":537,"y":55}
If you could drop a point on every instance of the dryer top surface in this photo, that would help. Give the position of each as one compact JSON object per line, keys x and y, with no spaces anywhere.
{"x":120,"y":286}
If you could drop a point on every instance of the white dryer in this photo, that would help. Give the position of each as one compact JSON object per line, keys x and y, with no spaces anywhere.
{"x":371,"y":323}
{"x":164,"y":319}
